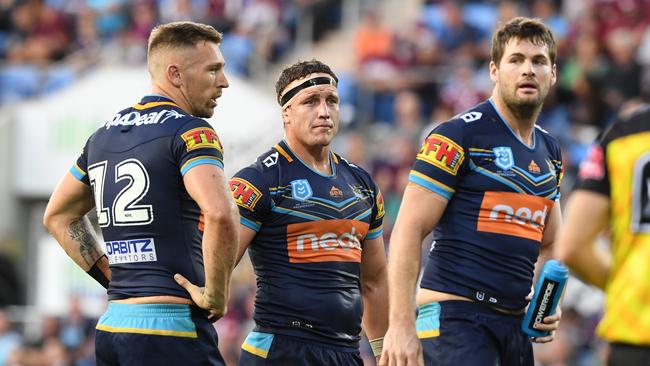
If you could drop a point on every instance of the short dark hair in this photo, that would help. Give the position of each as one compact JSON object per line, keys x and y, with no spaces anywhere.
{"x":298,"y":71}
{"x":181,"y":34}
{"x":531,"y":29}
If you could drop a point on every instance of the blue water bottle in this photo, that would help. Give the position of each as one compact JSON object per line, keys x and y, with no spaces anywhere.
{"x":548,"y":291}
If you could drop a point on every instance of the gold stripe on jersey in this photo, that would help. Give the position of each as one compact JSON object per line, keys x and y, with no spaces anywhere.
{"x":284,"y":153}
{"x":153,"y":104}
{"x":627,"y":314}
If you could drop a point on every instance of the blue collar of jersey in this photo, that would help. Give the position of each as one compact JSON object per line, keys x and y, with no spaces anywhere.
{"x":285,"y":145}
{"x":152,"y":98}
{"x":513,"y":132}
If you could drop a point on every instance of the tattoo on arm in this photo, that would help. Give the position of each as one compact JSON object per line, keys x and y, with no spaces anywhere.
{"x":80,"y":231}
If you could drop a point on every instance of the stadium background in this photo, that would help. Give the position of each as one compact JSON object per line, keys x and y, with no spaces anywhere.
{"x":67,"y":65}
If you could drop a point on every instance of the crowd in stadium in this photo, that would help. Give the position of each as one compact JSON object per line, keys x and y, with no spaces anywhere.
{"x":406,"y":80}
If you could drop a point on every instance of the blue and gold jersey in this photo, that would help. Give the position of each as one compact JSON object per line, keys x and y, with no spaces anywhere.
{"x":308,"y":247}
{"x":135,"y":164}
{"x":500,"y":193}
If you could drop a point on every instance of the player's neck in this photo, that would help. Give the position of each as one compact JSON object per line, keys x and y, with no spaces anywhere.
{"x":172,"y":94}
{"x":315,"y":157}
{"x":522,"y":125}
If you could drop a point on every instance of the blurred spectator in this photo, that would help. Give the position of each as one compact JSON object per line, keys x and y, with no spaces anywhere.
{"x":460,"y":91}
{"x":43,"y":34}
{"x":177,"y":10}
{"x":460,"y":38}
{"x":10,"y":340}
{"x":111,"y":17}
{"x":9,"y":283}
{"x":624,"y":72}
{"x":581,"y":77}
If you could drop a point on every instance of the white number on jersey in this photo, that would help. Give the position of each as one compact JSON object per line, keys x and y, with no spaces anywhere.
{"x":125,"y":210}
{"x":641,"y":195}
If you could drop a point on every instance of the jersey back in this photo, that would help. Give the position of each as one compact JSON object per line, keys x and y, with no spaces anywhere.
{"x":500,"y":192}
{"x":308,"y":247}
{"x":151,"y":227}
{"x":618,"y":166}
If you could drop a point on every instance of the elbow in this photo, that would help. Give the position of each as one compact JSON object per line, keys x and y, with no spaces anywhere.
{"x":49,"y":220}
{"x":565,"y":254}
{"x":222,"y":216}
{"x":375,"y":287}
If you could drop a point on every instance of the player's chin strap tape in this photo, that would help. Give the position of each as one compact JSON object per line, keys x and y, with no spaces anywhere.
{"x":321,"y":80}
{"x":97,"y":273}
{"x":377,"y":346}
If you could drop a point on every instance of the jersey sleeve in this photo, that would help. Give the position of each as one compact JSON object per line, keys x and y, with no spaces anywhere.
{"x":251,"y":194}
{"x":377,"y":217}
{"x":80,"y":168}
{"x":438,"y":165}
{"x":558,"y":164}
{"x":196,"y":143}
{"x":593,"y":174}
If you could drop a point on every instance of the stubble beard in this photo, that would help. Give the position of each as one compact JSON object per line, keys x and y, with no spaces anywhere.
{"x":205,"y":112}
{"x":523,"y":108}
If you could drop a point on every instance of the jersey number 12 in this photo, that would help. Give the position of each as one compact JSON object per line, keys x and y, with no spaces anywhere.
{"x":124,"y":210}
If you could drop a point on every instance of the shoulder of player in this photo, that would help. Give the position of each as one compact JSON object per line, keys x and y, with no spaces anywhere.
{"x":633,"y":122}
{"x":462,"y":121}
{"x":189,"y":122}
{"x":546,"y":135}
{"x":356,"y":170}
{"x":551,"y":141}
{"x":262,"y":171}
{"x":159,"y":116}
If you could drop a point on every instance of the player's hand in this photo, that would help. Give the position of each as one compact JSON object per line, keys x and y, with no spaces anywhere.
{"x":549,"y":324}
{"x":401,"y":347}
{"x":198,"y":295}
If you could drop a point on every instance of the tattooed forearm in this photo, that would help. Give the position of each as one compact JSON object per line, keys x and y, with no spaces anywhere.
{"x":81,"y":232}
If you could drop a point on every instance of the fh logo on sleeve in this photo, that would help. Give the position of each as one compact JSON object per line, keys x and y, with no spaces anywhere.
{"x":244,"y":193}
{"x":442,"y":152}
{"x":201,"y":137}
{"x":301,"y":190}
{"x":131,"y":251}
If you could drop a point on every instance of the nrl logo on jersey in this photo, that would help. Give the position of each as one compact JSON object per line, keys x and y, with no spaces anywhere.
{"x":356,"y":190}
{"x":503,"y":157}
{"x":137,"y":119}
{"x":301,"y":190}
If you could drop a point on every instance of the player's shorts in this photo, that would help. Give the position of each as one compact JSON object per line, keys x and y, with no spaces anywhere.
{"x":471,"y":334}
{"x":156,"y":334}
{"x":622,"y":354}
{"x":268,"y":349}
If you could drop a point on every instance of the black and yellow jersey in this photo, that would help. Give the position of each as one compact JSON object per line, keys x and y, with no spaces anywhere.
{"x":618,"y":166}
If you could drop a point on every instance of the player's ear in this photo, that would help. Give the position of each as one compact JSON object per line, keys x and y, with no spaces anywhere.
{"x":285,"y":115}
{"x":494,"y":70}
{"x":174,"y":75}
{"x":553,"y":74}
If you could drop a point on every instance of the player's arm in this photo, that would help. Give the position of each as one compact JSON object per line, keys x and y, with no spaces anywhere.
{"x":206,"y":184}
{"x":246,"y":235}
{"x":65,"y":218}
{"x":374,"y":284}
{"x":587,"y":214}
{"x":551,"y":228}
{"x":419,"y":213}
